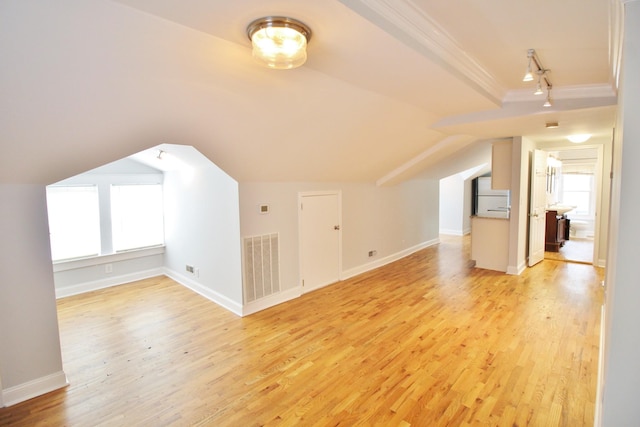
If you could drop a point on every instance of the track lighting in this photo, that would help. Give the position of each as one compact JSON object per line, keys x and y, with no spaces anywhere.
{"x":528,"y":76}
{"x":539,"y":86}
{"x":542,"y":75}
{"x":548,"y":102}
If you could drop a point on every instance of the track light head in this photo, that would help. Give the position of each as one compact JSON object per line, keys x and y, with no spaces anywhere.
{"x":548,"y":102}
{"x":538,"y":89}
{"x":528,"y":75}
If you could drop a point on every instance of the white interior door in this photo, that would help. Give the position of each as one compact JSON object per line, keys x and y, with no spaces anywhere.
{"x":319,"y":239}
{"x":538,"y":204}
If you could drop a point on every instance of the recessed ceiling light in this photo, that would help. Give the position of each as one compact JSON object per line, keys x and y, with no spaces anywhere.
{"x":578,"y":138}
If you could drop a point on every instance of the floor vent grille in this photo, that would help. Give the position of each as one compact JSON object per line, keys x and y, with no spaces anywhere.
{"x":261,"y":267}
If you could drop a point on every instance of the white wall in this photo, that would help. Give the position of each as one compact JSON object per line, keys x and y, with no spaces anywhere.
{"x":30,"y":359}
{"x":622,"y":317}
{"x":389,"y":220}
{"x":452,"y":205}
{"x":202,"y":229}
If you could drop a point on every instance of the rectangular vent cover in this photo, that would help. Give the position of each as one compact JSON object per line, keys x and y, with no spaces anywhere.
{"x":261,"y":267}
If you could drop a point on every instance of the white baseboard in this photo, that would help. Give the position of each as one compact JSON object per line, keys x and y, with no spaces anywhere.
{"x":271,"y":300}
{"x":34,"y":388}
{"x":450,"y":232}
{"x":209,"y":294}
{"x":68,"y":291}
{"x":516,"y":271}
{"x":346,"y":274}
{"x":597,"y":417}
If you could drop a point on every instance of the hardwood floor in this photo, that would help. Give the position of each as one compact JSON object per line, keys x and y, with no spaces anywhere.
{"x":426,"y":341}
{"x":574,"y":250}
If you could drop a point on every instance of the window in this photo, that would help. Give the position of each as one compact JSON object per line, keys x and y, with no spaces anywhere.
{"x":136,"y":216}
{"x":74,"y":221}
{"x":577,"y":191}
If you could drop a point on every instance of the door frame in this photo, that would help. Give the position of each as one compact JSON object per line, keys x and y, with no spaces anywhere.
{"x":599,"y":177}
{"x":301,"y":195}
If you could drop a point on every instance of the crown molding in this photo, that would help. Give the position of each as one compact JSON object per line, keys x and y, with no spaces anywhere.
{"x":590,"y":91}
{"x":411,"y":25}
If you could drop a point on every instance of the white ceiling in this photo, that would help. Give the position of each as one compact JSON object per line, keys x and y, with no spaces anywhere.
{"x":391,"y":89}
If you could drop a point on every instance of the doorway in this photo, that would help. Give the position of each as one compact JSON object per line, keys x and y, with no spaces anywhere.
{"x":320,"y":239}
{"x":578,"y":185}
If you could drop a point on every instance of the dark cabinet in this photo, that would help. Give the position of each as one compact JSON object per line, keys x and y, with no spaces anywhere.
{"x":557,"y":231}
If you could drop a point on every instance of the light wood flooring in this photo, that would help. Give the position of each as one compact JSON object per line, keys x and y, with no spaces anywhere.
{"x":425,"y":341}
{"x":574,"y":250}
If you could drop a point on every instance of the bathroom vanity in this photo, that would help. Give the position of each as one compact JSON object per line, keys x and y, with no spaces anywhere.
{"x":557,"y":230}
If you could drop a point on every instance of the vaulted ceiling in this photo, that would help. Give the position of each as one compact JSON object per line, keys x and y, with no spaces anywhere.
{"x":391,"y":89}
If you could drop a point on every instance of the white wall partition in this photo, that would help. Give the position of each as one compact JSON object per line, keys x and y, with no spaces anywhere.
{"x":621,"y":375}
{"x":202,"y":230}
{"x":30,"y":359}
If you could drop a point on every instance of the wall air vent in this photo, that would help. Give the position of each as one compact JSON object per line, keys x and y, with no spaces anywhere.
{"x":261,"y":267}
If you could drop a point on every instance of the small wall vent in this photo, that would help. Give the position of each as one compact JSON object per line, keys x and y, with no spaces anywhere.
{"x":261,"y":267}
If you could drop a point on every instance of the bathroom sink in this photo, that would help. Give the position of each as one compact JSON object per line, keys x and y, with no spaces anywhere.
{"x":561,"y":209}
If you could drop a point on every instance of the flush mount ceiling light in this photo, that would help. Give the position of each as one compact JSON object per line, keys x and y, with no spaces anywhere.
{"x":279,"y":42}
{"x":578,"y":138}
{"x":535,"y":66}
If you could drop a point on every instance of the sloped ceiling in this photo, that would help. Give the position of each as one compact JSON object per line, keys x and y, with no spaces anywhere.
{"x":391,"y":88}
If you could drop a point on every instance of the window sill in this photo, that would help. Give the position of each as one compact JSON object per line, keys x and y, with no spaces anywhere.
{"x":106,"y":259}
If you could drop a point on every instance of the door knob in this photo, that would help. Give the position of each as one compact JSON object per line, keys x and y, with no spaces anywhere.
{"x":336,"y":227}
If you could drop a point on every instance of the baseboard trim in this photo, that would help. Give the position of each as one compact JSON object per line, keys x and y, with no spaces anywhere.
{"x":271,"y":300}
{"x":81,"y":288}
{"x":597,"y":416}
{"x":516,"y":271}
{"x":347,"y":274}
{"x":209,"y":294}
{"x":449,"y":232}
{"x":34,"y":388}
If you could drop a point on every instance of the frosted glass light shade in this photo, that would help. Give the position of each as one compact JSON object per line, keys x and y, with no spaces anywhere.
{"x":279,"y":42}
{"x":579,"y":138}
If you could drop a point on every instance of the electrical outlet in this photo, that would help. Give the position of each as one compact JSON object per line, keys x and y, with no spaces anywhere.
{"x":196,"y":271}
{"x":190,"y":268}
{"x":108,"y":268}
{"x":372,"y":253}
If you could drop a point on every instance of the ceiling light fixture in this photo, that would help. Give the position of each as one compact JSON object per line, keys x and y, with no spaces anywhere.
{"x":552,"y":125}
{"x":279,"y":42}
{"x":542,"y":75}
{"x":548,"y":102}
{"x":528,"y":76}
{"x":578,"y":138}
{"x":539,"y":86}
